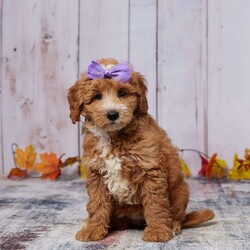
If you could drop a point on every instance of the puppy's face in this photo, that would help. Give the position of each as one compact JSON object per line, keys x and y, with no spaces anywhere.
{"x":107,"y":103}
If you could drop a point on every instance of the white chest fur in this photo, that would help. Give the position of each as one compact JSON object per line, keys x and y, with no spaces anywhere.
{"x":118,"y":186}
{"x":104,"y":140}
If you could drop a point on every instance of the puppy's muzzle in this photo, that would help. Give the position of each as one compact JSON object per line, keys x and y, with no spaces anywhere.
{"x":112,"y":115}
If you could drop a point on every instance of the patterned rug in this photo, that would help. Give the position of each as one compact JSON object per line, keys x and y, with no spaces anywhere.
{"x":37,"y":214}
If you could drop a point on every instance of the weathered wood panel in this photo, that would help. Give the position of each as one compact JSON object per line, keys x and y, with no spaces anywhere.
{"x":195,"y":56}
{"x":103,"y":30}
{"x":182,"y":73}
{"x":1,"y":104}
{"x":229,"y":76}
{"x":142,"y":44}
{"x":39,"y":50}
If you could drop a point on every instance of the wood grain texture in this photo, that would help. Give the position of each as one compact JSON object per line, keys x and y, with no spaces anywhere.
{"x":39,"y":50}
{"x":182,"y":73}
{"x":1,"y":103}
{"x":229,"y":75}
{"x":195,"y":56}
{"x":142,"y":44}
{"x":103,"y":30}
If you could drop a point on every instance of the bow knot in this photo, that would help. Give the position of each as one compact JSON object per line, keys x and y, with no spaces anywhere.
{"x":107,"y":74}
{"x":120,"y":72}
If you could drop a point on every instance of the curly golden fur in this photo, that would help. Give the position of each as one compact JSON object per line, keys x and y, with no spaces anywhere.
{"x":134,"y":176}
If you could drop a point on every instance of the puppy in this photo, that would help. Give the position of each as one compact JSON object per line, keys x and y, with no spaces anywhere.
{"x":134,"y":176}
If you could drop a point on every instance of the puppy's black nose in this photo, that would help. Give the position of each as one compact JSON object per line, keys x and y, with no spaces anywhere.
{"x":112,"y":115}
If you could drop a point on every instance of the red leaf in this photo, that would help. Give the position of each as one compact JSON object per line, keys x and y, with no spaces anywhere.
{"x":204,"y":164}
{"x":17,"y":173}
{"x":210,"y":165}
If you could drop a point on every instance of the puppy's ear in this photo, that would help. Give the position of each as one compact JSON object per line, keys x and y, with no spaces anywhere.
{"x":138,"y":80}
{"x":75,"y":102}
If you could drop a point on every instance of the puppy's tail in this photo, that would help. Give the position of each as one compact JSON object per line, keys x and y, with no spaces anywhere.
{"x":197,"y":217}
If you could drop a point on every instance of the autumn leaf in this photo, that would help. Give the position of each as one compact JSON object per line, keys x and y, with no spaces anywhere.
{"x":239,"y":171}
{"x":185,"y":168}
{"x":204,"y":164}
{"x":246,"y":165}
{"x":69,"y":161}
{"x":53,"y":175}
{"x":219,"y":169}
{"x":234,"y":172}
{"x":49,"y":166}
{"x":210,"y":166}
{"x":49,"y":162}
{"x":82,"y":170}
{"x":17,"y":173}
{"x":215,"y":167}
{"x":25,"y":159}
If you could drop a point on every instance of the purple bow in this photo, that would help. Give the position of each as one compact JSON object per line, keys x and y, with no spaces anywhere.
{"x":120,"y":72}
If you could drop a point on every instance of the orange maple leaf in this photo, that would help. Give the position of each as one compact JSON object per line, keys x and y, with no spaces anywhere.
{"x":17,"y":173}
{"x":49,"y":166}
{"x":210,"y":166}
{"x":25,"y":159}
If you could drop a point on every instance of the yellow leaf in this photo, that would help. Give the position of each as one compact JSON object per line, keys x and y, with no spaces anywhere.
{"x":247,"y":154}
{"x":219,"y":169}
{"x":239,"y":171}
{"x":82,"y":170}
{"x":221,"y":163}
{"x":25,"y":159}
{"x":185,"y":168}
{"x":233,"y":173}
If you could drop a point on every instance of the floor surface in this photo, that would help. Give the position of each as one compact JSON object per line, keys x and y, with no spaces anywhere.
{"x":37,"y":214}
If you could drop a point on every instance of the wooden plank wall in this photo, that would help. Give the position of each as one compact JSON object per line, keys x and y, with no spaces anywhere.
{"x":182,"y":62}
{"x":228,"y":77}
{"x":1,"y":104}
{"x":195,"y":56}
{"x":39,"y":62}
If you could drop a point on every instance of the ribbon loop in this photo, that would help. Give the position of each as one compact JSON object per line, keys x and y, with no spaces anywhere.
{"x":120,"y":72}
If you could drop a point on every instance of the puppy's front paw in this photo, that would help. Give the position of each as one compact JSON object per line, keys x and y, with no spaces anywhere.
{"x":91,"y":234}
{"x":157,"y":234}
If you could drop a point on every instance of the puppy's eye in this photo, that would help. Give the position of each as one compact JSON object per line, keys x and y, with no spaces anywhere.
{"x":97,"y":96}
{"x":121,"y":93}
